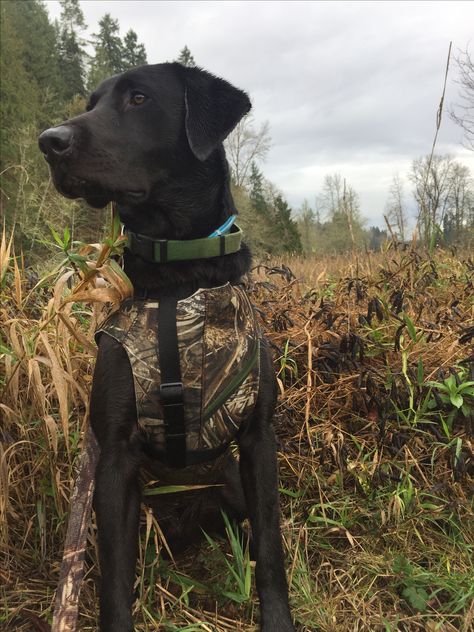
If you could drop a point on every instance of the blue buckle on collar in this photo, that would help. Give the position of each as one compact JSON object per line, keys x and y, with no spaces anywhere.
{"x":226,"y":226}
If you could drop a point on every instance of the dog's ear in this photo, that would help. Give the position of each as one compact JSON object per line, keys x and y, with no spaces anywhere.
{"x":213,"y":109}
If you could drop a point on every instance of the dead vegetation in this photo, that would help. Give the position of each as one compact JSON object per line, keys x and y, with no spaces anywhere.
{"x":375,"y":426}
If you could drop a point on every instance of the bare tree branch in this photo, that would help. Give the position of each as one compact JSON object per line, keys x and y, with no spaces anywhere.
{"x":245,"y":145}
{"x":396,"y":208}
{"x":463,"y":115}
{"x":444,"y":194}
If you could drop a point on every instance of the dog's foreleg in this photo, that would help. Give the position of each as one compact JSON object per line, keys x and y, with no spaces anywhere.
{"x":117,"y":493}
{"x":117,"y":505}
{"x":258,"y":467}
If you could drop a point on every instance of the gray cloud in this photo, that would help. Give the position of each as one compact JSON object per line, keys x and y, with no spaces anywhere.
{"x":351,"y":87}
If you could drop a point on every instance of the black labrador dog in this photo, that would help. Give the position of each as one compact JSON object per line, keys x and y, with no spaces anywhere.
{"x":151,"y":141}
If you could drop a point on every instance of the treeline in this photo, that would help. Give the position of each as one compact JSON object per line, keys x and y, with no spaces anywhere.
{"x":335,"y":223}
{"x":45,"y":68}
{"x":438,"y":208}
{"x":266,"y":217}
{"x":48,"y":68}
{"x":46,"y":73}
{"x":443,"y":191}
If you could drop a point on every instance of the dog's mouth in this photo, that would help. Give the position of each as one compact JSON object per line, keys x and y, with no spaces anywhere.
{"x":94,"y":193}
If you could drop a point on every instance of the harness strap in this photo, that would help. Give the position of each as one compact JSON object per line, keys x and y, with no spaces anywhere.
{"x":171,"y":387}
{"x":195,"y":457}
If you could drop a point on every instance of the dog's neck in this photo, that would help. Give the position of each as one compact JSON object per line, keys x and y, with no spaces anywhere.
{"x":185,"y":206}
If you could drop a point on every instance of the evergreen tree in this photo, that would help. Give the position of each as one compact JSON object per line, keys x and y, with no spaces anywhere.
{"x":277,"y":231}
{"x":265,"y":237}
{"x":185,"y":58}
{"x":108,"y":58}
{"x":256,"y":192}
{"x":71,"y":15}
{"x":134,"y":54}
{"x":71,"y":49}
{"x":376,"y":237}
{"x":286,"y":227}
{"x":19,"y":96}
{"x":37,"y":51}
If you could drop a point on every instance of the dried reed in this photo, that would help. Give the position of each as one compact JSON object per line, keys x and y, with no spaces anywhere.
{"x":376,"y":462}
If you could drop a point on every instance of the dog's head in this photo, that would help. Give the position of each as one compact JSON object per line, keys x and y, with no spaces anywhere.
{"x":141,"y":128}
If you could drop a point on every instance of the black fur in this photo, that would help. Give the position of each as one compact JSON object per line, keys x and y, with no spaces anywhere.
{"x":162,"y":161}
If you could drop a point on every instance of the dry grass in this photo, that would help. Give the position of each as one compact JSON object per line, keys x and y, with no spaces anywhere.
{"x":376,"y":464}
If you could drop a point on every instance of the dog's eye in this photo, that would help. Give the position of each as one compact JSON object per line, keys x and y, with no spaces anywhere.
{"x":137,"y":99}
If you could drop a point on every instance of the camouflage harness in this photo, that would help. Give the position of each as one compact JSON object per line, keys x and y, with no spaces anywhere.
{"x":196,"y":368}
{"x":190,"y":413}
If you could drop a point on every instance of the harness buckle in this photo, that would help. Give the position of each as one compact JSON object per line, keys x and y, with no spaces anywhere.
{"x":171,"y":394}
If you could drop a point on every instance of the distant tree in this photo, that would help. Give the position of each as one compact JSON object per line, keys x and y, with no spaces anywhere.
{"x":71,"y":49}
{"x":286,"y":227}
{"x":134,"y":54}
{"x":256,"y":189}
{"x":30,"y":87}
{"x":341,"y":206}
{"x":463,"y":113}
{"x":338,"y":197}
{"x":336,"y":235}
{"x":72,"y":16}
{"x":19,"y":94}
{"x":342,"y":227}
{"x":351,"y":209}
{"x":376,"y":237}
{"x":254,"y":225}
{"x":332,"y":197}
{"x":443,"y":190}
{"x":459,"y":218}
{"x":268,"y":216}
{"x":29,"y":21}
{"x":307,"y":224}
{"x":246,"y":145}
{"x":431,"y":179}
{"x":185,"y":58}
{"x":396,"y":208}
{"x":108,"y":48}
{"x":32,"y":98}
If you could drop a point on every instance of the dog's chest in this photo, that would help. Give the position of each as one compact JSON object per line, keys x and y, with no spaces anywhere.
{"x":218,"y":343}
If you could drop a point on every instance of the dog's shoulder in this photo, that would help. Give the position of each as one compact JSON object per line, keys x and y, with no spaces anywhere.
{"x":119,"y":323}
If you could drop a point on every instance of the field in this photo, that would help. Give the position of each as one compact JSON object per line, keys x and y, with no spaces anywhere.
{"x":375,"y":427}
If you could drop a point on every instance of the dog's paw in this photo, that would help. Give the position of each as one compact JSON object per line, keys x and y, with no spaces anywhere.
{"x":278,"y":620}
{"x":279,"y":626}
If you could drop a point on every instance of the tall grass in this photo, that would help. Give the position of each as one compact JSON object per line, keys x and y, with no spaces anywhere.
{"x":375,"y":447}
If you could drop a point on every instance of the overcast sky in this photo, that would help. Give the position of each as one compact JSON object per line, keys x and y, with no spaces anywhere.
{"x":347,"y":87}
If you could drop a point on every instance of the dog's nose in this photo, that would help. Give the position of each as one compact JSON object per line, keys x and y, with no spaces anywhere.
{"x":56,"y":140}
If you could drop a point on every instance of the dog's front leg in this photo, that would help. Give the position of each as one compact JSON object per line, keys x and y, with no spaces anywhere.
{"x":117,"y":494}
{"x":117,"y":505}
{"x":258,"y":468}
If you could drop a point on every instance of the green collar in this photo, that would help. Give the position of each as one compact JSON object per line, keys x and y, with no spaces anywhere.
{"x":166,"y":250}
